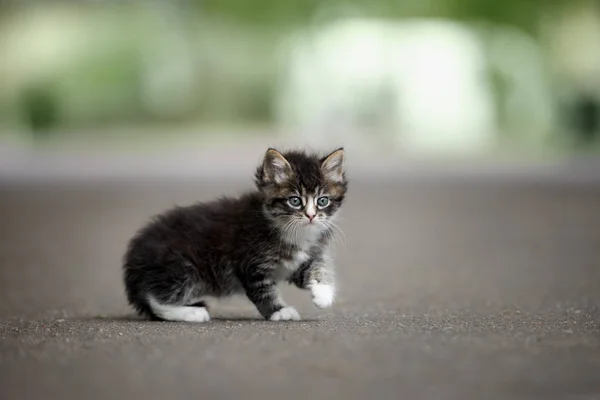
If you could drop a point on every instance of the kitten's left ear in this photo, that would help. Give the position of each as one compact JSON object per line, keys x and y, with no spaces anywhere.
{"x":333,"y":166}
{"x":275,"y":167}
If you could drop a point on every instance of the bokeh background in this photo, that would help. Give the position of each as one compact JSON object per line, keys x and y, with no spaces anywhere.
{"x":516,"y":79}
{"x":470,"y":258}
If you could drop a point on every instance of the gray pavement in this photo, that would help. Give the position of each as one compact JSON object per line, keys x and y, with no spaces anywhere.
{"x":449,"y":289}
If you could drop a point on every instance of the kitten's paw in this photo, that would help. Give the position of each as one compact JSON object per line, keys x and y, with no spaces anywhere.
{"x":286,"y":314}
{"x":197,"y":314}
{"x":322,"y":294}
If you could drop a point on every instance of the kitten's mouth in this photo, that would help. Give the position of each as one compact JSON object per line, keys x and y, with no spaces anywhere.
{"x":312,"y":222}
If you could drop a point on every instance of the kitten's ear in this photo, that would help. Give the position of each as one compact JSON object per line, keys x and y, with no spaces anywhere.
{"x":276,"y":168}
{"x":333,"y":166}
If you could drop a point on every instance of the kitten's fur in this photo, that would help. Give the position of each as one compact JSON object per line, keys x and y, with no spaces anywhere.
{"x":244,"y":245}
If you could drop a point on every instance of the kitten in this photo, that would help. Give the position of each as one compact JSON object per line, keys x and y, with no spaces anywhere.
{"x":279,"y":232}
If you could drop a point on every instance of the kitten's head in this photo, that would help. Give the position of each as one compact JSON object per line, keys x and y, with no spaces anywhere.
{"x":304,"y":190}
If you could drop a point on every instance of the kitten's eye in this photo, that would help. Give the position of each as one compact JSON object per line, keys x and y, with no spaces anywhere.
{"x":323,"y":201}
{"x":295,"y":201}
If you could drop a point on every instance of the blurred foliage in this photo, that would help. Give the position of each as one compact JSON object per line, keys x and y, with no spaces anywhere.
{"x":520,"y":13}
{"x":40,"y":108}
{"x":206,"y":60}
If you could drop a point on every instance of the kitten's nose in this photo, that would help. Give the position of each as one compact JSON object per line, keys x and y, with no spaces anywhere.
{"x":310,"y":216}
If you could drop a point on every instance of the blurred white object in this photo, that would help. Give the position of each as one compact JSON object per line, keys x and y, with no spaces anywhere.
{"x":425,"y":82}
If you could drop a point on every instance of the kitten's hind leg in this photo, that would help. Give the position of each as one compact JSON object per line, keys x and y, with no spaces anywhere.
{"x":193,"y":313}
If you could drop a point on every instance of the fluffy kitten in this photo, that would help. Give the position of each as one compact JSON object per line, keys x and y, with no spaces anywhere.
{"x":279,"y":232}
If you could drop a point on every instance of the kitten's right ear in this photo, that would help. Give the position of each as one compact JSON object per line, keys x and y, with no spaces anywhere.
{"x":333,"y":165}
{"x":276,"y":168}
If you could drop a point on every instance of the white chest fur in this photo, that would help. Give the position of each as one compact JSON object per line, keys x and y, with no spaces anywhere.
{"x":286,"y":267}
{"x":298,"y":258}
{"x":303,"y":240}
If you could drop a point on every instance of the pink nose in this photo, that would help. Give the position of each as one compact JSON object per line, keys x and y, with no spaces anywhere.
{"x":310,"y":217}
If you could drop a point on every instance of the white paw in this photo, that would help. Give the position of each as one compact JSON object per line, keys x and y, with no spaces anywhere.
{"x":196,"y":314}
{"x":286,"y":314}
{"x":322,"y":294}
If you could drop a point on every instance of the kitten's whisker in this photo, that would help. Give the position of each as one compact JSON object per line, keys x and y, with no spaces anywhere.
{"x":328,"y":230}
{"x":296,"y":231}
{"x":337,"y":227}
{"x":336,"y":232}
{"x":298,"y":227}
{"x":287,"y":236}
{"x":329,"y":233}
{"x":341,"y":235}
{"x":283,"y":234}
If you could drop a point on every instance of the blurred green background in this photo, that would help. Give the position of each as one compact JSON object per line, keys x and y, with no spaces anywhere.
{"x":425,"y":75}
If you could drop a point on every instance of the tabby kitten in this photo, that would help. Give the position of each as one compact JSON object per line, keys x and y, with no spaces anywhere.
{"x":246,"y":245}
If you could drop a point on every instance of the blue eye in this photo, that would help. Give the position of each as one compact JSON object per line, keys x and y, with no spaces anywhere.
{"x":323,"y":201}
{"x":295,"y":201}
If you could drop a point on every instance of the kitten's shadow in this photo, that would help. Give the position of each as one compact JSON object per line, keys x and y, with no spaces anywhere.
{"x":218,"y":318}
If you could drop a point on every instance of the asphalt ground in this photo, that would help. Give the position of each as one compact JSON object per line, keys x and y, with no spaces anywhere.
{"x":465,"y":288}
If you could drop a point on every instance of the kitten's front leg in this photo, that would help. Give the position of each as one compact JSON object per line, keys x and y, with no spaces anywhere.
{"x":318,"y":276}
{"x":321,"y":282}
{"x":262,"y":290}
